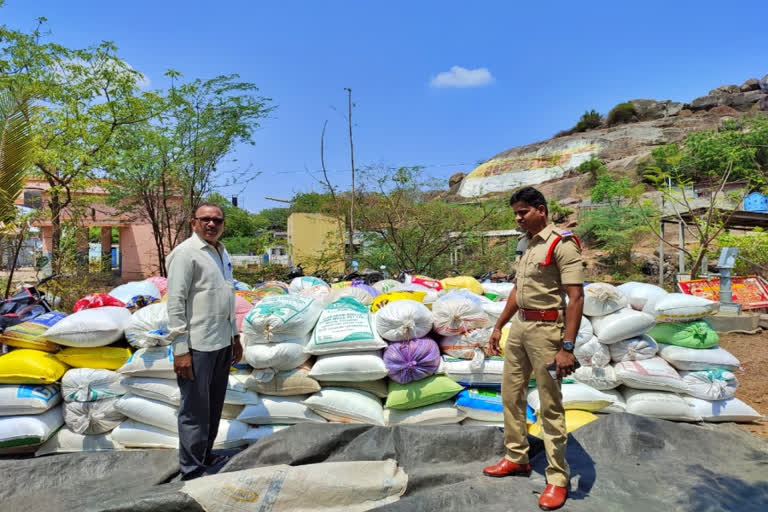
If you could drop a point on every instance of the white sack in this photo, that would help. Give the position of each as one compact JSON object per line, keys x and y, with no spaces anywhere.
{"x":96,"y":417}
{"x":87,"y":385}
{"x":440,"y":413}
{"x":658,"y":404}
{"x":619,"y":405}
{"x":347,"y":405}
{"x":24,"y":399}
{"x":285,"y":355}
{"x":281,"y":318}
{"x":455,"y":314}
{"x":602,"y":298}
{"x":349,"y":367}
{"x":680,"y":307}
{"x":327,"y":486}
{"x":30,"y":430}
{"x":403,"y":320}
{"x":149,"y":326}
{"x":621,"y":325}
{"x":95,"y":327}
{"x":66,"y":441}
{"x":575,"y":396}
{"x":345,"y":325}
{"x":149,"y":411}
{"x":167,"y":391}
{"x":355,"y":292}
{"x":592,"y":353}
{"x":643,"y":296}
{"x":653,"y":373}
{"x":730,"y":409}
{"x":279,"y":410}
{"x":710,"y":384}
{"x":467,"y":372}
{"x":150,"y":362}
{"x":133,"y":434}
{"x":585,"y":331}
{"x":126,"y":292}
{"x":634,"y":349}
{"x":599,"y":378}
{"x":258,"y":433}
{"x":684,"y":358}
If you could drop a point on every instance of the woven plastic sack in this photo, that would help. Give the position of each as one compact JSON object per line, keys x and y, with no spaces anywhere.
{"x":592,"y":353}
{"x":358,"y":293}
{"x":684,"y":358}
{"x":160,"y":282}
{"x":269,"y":289}
{"x":279,"y":410}
{"x":575,"y":396}
{"x":421,"y":392}
{"x":680,"y":307}
{"x":135,"y":434}
{"x":21,"y":399}
{"x":710,"y":384}
{"x":598,"y":378}
{"x":18,"y":431}
{"x":468,"y":373}
{"x":412,"y":360}
{"x":456,"y":313}
{"x":150,"y":362}
{"x":440,"y":413}
{"x":149,"y":326}
{"x":602,"y":298}
{"x":88,"y":385}
{"x":696,"y":334}
{"x":471,"y":345}
{"x":30,"y":334}
{"x":281,"y":318}
{"x":653,"y":373}
{"x":66,"y":441}
{"x":91,"y":327}
{"x":349,"y":366}
{"x":278,"y":356}
{"x":242,"y":308}
{"x":730,"y":409}
{"x":104,"y":358}
{"x":385,"y":298}
{"x":621,"y":325}
{"x":643,"y":296}
{"x":345,"y":325}
{"x":462,"y":282}
{"x":26,"y":366}
{"x":658,"y":404}
{"x":347,"y":406}
{"x":92,"y":417}
{"x":129,"y":291}
{"x":387,"y":285}
{"x":403,"y":320}
{"x":425,"y":282}
{"x":305,"y":283}
{"x":634,"y":349}
{"x":585,"y":331}
{"x":97,"y":300}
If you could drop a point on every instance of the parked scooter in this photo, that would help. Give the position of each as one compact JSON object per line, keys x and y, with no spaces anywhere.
{"x":25,"y":305}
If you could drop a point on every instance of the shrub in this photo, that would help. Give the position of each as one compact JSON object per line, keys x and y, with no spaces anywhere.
{"x":592,"y":166}
{"x":589,"y":120}
{"x":558,"y":212}
{"x":622,"y":113}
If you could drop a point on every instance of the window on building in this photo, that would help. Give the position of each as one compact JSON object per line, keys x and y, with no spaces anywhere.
{"x":33,"y":198}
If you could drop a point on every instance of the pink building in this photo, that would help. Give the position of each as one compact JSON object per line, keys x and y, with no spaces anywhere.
{"x":136,"y":246}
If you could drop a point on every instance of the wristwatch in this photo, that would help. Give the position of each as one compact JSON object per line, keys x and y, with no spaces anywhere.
{"x":568,"y":346}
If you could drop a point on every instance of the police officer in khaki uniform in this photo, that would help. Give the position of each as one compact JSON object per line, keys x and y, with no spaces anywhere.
{"x":542,"y":332}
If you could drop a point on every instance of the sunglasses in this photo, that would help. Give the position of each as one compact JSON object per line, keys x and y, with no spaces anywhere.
{"x":205,"y":220}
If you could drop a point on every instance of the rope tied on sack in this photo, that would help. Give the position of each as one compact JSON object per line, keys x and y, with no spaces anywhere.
{"x":604,"y":294}
{"x":264,"y":375}
{"x":700,"y":332}
{"x":408,"y":328}
{"x":478,"y":360}
{"x":268,"y":332}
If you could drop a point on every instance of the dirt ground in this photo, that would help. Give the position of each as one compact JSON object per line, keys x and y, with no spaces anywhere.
{"x":752,"y":352}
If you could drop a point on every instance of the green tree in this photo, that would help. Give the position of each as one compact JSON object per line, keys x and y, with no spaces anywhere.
{"x":84,"y":100}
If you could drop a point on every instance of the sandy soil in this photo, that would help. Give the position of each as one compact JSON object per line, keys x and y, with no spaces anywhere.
{"x":752,"y":351}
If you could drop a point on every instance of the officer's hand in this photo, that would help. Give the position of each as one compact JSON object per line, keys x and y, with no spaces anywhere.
{"x":237,"y":351}
{"x":182,"y":365}
{"x":565,"y":363}
{"x":493,"y":343}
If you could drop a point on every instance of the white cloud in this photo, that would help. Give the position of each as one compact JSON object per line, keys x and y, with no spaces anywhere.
{"x":462,"y":77}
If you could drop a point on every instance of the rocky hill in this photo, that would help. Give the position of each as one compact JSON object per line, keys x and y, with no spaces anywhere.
{"x":622,"y":147}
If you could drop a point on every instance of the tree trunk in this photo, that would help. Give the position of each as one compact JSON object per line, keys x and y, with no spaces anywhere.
{"x":55,"y":205}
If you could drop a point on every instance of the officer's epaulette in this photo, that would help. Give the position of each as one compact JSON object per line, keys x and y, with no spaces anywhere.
{"x":559,"y":236}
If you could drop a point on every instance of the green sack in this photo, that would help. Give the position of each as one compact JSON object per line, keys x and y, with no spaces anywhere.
{"x":696,"y":334}
{"x":421,"y":392}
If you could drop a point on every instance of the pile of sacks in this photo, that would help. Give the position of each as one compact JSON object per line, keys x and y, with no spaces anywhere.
{"x":654,"y":354}
{"x":389,"y":354}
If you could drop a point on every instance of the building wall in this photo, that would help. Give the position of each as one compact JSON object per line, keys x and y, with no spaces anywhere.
{"x":138,"y":252}
{"x":315,"y":236}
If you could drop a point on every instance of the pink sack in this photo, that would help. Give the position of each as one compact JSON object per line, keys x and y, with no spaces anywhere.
{"x":242,"y":307}
{"x":160,"y":282}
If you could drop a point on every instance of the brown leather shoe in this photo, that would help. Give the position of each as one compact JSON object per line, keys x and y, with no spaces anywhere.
{"x":507,"y":468}
{"x":553,"y":497}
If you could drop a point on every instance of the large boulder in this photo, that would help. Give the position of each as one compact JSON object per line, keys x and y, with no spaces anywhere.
{"x":741,"y":101}
{"x":651,"y":109}
{"x":764,"y":83}
{"x":456,"y":179}
{"x":753,"y":84}
{"x":725,"y":89}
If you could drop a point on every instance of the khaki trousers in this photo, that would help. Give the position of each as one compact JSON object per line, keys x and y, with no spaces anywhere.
{"x":530,"y":347}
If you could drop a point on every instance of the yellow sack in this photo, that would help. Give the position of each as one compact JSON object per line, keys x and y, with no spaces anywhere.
{"x":25,"y":366}
{"x":385,"y":298}
{"x":105,"y":358}
{"x":29,"y":334}
{"x":503,"y":339}
{"x":468,"y":282}
{"x":342,"y":284}
{"x":574,"y":419}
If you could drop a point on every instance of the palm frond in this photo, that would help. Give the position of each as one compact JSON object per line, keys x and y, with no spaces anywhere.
{"x":15,"y":152}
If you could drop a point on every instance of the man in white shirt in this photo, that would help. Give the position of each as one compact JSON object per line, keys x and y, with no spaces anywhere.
{"x":203,"y":330}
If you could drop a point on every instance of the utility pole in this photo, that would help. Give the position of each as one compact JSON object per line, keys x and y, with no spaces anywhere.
{"x":352,"y":159}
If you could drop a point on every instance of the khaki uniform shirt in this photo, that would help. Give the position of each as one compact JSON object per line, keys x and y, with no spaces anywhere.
{"x":540,"y":286}
{"x":201,"y":297}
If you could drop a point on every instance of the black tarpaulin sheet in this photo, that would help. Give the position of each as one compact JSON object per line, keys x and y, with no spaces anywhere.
{"x":620,"y":462}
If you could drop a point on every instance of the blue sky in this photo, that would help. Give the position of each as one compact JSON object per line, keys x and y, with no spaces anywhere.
{"x":534,"y":68}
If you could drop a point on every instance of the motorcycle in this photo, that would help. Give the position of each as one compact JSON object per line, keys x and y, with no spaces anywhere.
{"x":25,"y":305}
